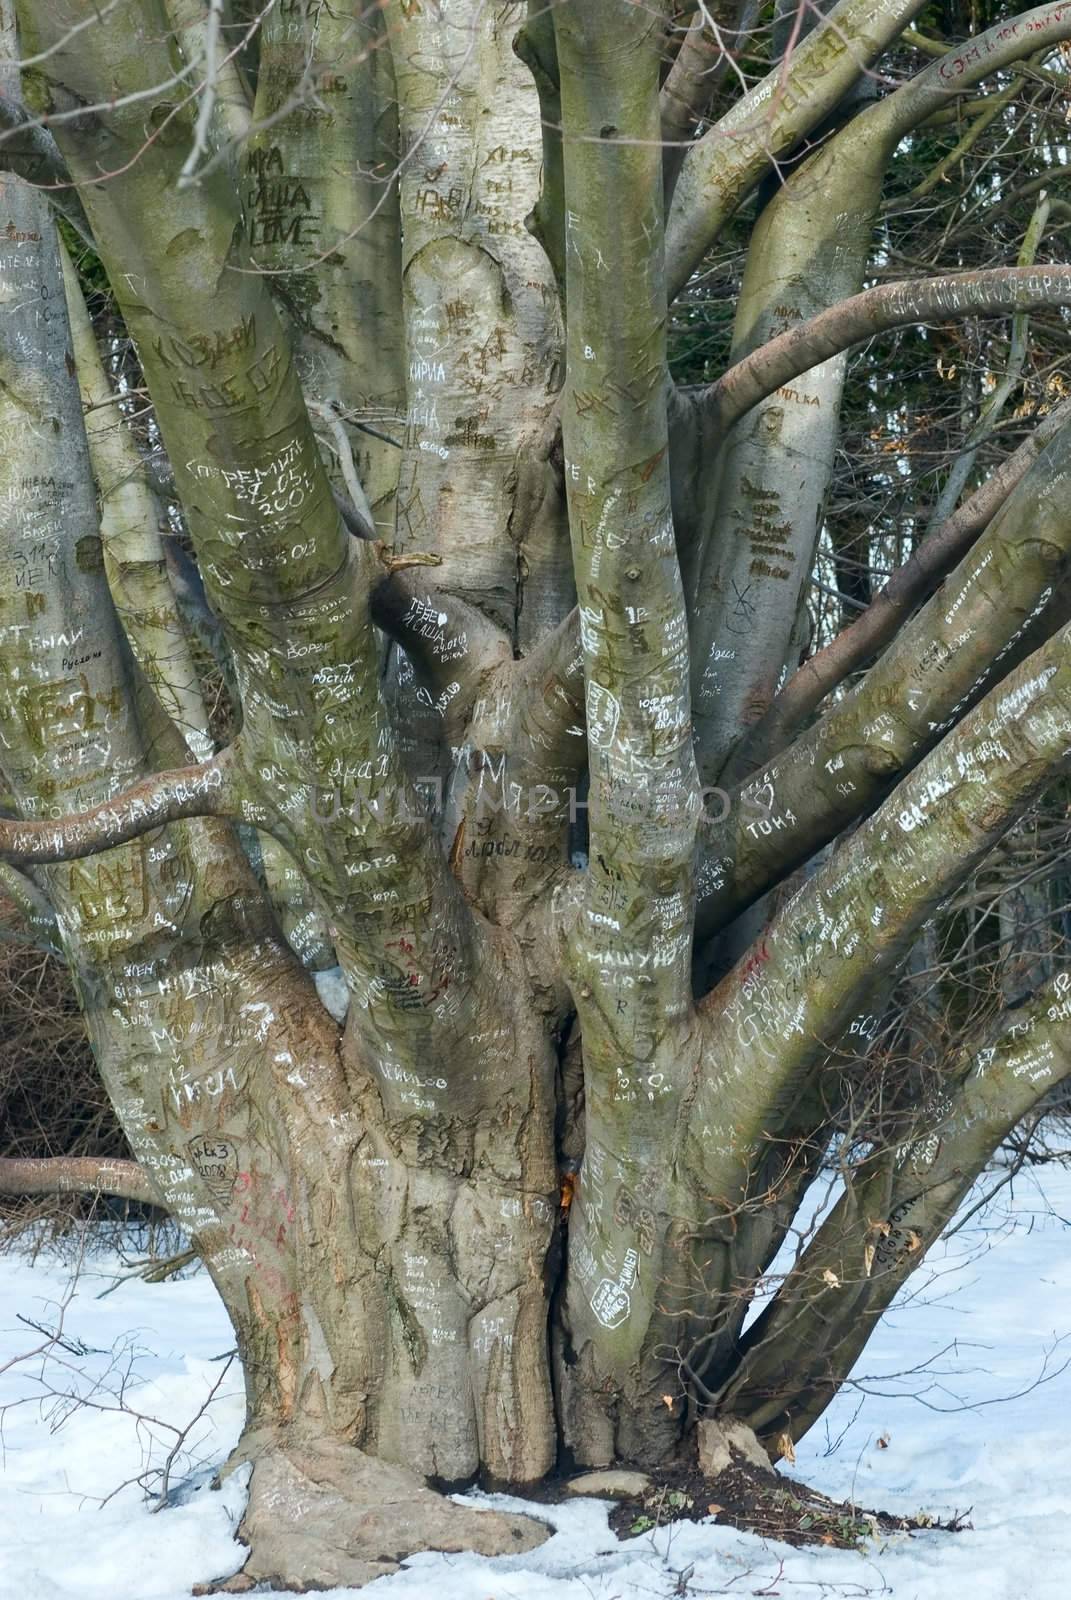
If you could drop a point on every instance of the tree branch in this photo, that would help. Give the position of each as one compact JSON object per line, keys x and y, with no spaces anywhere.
{"x":550,"y":722}
{"x":339,"y":273}
{"x":996,"y":292}
{"x":527,"y":753}
{"x":790,"y":998}
{"x":451,"y":644}
{"x":932,"y":671}
{"x":358,"y":515}
{"x":291,"y":586}
{"x":207,"y":790}
{"x":809,"y":251}
{"x":698,"y":69}
{"x":920,"y":41}
{"x":224,"y":115}
{"x":911,"y":584}
{"x":626,"y":924}
{"x":726,"y":163}
{"x":961,"y":66}
{"x":36,"y":914}
{"x":77,"y":1175}
{"x":991,"y":109}
{"x":130,"y":522}
{"x":724,"y":166}
{"x":894,"y":1207}
{"x":615,"y":437}
{"x":535,"y":46}
{"x":993,"y":404}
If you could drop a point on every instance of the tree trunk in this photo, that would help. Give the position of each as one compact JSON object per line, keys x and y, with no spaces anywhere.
{"x":494,"y":600}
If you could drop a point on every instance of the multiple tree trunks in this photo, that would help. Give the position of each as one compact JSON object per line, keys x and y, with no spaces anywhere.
{"x":425,"y":273}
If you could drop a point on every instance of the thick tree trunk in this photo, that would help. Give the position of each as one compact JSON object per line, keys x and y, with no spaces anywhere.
{"x":429,"y":292}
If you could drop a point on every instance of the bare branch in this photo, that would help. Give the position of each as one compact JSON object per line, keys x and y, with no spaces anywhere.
{"x":223,"y":116}
{"x":992,"y":107}
{"x":1030,"y":34}
{"x":354,"y":488}
{"x":894,"y":1207}
{"x":929,"y":562}
{"x":723,"y":166}
{"x":203,"y":124}
{"x":207,"y":790}
{"x":788,"y":1000}
{"x":77,"y":1175}
{"x":936,"y":667}
{"x":893,"y":305}
{"x":781,"y":456}
{"x":692,"y":81}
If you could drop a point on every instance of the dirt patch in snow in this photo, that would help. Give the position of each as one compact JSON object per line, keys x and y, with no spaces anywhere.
{"x":764,"y":1502}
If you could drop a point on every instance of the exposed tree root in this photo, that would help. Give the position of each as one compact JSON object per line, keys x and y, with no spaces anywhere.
{"x":739,"y":1488}
{"x":323,"y":1515}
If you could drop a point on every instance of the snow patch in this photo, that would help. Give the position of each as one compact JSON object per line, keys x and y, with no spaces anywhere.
{"x":333,"y":991}
{"x":950,"y":1381}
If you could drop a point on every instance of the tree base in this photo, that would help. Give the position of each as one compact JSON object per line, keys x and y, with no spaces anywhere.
{"x":323,"y":1515}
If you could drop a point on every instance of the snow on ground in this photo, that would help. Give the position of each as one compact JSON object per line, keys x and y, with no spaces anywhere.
{"x":966,"y":1382}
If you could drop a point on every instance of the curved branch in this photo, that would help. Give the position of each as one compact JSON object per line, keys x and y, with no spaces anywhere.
{"x":451,"y":644}
{"x":722,"y":168}
{"x":1031,"y":34}
{"x":775,"y":1016}
{"x":780,"y":456}
{"x":207,"y":790}
{"x":32,"y":154}
{"x":934,"y":669}
{"x":892,"y":1211}
{"x":77,"y":1175}
{"x":725,"y":165}
{"x":992,"y":107}
{"x":996,"y":292}
{"x":688,"y":91}
{"x":912,"y":583}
